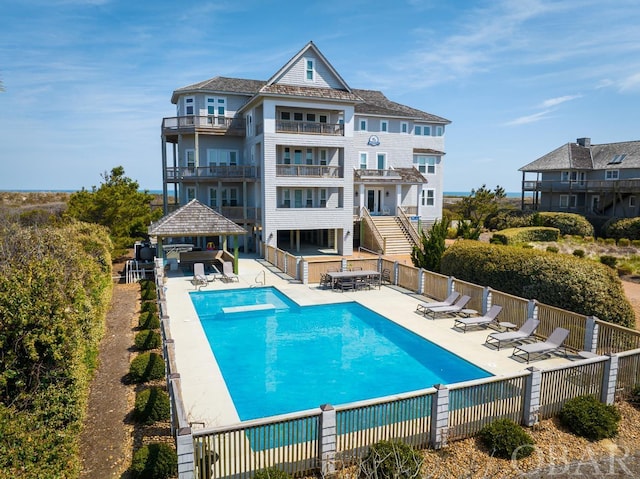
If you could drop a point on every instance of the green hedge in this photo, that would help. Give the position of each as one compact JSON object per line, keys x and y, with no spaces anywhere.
{"x":564,"y":281}
{"x":623,"y":228}
{"x":146,"y":367}
{"x":509,"y":218}
{"x":567,"y":223}
{"x":527,"y":234}
{"x":152,"y":405}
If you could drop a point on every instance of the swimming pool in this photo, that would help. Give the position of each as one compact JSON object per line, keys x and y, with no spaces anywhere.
{"x":277,"y":357}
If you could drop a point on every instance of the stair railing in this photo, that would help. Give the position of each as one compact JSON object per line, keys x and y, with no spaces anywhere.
{"x":407,"y":226}
{"x":378,"y":242}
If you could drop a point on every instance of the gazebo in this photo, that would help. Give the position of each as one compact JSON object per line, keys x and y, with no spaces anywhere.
{"x":197,"y":220}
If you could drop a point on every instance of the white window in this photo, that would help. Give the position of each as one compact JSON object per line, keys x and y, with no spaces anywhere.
{"x":310,"y":72}
{"x":323,"y":197}
{"x":322,"y":118}
{"x":191,"y":193}
{"x":297,"y":116}
{"x":190,"y":158}
{"x":363,"y":124}
{"x":568,"y":201}
{"x":404,"y":127}
{"x":311,"y":117}
{"x":426,"y":130}
{"x":286,"y":157}
{"x":564,"y":177}
{"x":229,"y":197}
{"x":297,"y":157}
{"x":309,"y":202}
{"x":425,"y":164}
{"x":189,"y":105}
{"x":285,"y":115}
{"x":439,"y":130}
{"x":384,"y":126}
{"x":611,"y":174}
{"x":417,"y":130}
{"x":216,"y":106}
{"x":309,"y":157}
{"x":324,"y":157}
{"x":364,"y":157}
{"x":632,"y":201}
{"x":286,"y":198}
{"x":213,"y":198}
{"x":297,"y":195}
{"x":382,"y":161}
{"x":222,"y":157}
{"x":428,"y":197}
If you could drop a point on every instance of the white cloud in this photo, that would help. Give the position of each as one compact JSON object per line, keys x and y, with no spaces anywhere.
{"x":631,"y":83}
{"x":523,"y":120}
{"x":551,"y":102}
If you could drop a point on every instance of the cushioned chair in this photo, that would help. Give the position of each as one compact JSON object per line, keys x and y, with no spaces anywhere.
{"x":227,"y":272}
{"x":200,"y":279}
{"x":525,"y":332}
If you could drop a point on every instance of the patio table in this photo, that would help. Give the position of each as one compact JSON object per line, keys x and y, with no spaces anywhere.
{"x":337,"y":276}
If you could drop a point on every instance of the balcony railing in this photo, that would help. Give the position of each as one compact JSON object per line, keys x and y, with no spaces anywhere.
{"x":309,"y":128}
{"x":595,"y":186}
{"x":220,"y":171}
{"x":317,"y":171}
{"x":214,"y":123}
{"x":234,"y":213}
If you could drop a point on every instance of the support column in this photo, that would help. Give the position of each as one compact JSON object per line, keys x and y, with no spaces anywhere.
{"x":184,"y":448}
{"x":165,"y":204}
{"x":297,"y":241}
{"x":327,"y":440}
{"x":439,"y":417}
{"x":591,"y":334}
{"x":451,"y":285}
{"x":532,"y":309}
{"x":609,"y":379}
{"x":420,"y":281}
{"x":530,"y":413}
{"x":486,"y":299}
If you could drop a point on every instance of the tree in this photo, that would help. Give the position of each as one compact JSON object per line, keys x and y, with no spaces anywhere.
{"x":475,"y":208}
{"x":427,"y":255}
{"x":117,"y":204}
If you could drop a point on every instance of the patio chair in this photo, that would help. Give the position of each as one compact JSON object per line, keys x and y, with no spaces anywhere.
{"x":227,"y":272}
{"x":447,"y":302}
{"x":553,"y":343}
{"x":385,"y":276}
{"x":199,"y":279}
{"x":456,"y":307}
{"x":525,"y":332}
{"x":325,"y":281}
{"x":483,"y":321}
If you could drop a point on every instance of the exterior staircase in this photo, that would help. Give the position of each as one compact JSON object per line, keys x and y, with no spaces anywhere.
{"x":397,"y":241}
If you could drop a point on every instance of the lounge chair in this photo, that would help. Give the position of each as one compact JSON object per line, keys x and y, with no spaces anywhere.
{"x":483,"y":321}
{"x":447,"y":302}
{"x":552,"y":344}
{"x":200,"y":279}
{"x":456,"y":307}
{"x":227,"y":272}
{"x":525,"y":332}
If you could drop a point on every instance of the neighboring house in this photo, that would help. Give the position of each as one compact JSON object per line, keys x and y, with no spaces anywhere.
{"x":294,"y":159}
{"x":593,"y":180}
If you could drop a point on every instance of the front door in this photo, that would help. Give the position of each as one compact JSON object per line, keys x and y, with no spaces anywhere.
{"x":374,"y":200}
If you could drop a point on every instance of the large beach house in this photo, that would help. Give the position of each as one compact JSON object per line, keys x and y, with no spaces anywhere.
{"x":594,"y":180}
{"x":299,"y":159}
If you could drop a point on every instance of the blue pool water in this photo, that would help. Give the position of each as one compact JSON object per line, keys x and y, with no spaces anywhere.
{"x":290,"y":358}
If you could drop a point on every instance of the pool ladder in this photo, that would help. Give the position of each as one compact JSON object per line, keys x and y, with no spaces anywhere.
{"x":257,"y":280}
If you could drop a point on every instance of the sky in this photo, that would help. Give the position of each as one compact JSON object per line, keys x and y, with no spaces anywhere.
{"x":87,"y":82}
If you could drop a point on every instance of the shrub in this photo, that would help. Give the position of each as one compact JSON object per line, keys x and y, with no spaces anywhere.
{"x":635,"y":243}
{"x":610,"y":261}
{"x":149,"y":320}
{"x":391,"y":460}
{"x":584,"y":287}
{"x":452,"y":233}
{"x":148,"y":294}
{"x":624,"y":270}
{"x":271,"y":473}
{"x":624,"y":242}
{"x":579,"y":253}
{"x":152,"y":405}
{"x":588,"y":239}
{"x":610,"y":241}
{"x":623,"y":228}
{"x":149,"y":307}
{"x":506,"y":439}
{"x":634,"y":399}
{"x":567,"y":223}
{"x":587,"y":417}
{"x":154,"y":461}
{"x":497,"y":239}
{"x":509,"y":218}
{"x":525,"y":235}
{"x":147,"y":339}
{"x":552,"y":249}
{"x":146,"y":367}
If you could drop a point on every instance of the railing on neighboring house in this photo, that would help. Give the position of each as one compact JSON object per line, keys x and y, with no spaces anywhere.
{"x":226,"y":172}
{"x":585,"y":186}
{"x":309,"y":128}
{"x":208,"y":122}
{"x":314,"y":171}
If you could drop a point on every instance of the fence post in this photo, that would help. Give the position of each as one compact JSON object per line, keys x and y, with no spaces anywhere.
{"x":532,"y":309}
{"x":420,"y":281}
{"x":609,"y":379}
{"x":396,"y":271}
{"x":327,"y":440}
{"x":532,"y":397}
{"x":184,"y":449}
{"x":439,"y":417}
{"x":591,"y":334}
{"x":486,"y":299}
{"x":343,"y":265}
{"x":305,"y":272}
{"x":379,"y":264}
{"x":451,"y":284}
{"x":298,"y":268}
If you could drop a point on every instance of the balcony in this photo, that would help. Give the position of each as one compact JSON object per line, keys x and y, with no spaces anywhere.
{"x":229,"y":173}
{"x":309,"y":128}
{"x":313,"y":171}
{"x":206,"y":124}
{"x":585,"y":186}
{"x":234,"y":213}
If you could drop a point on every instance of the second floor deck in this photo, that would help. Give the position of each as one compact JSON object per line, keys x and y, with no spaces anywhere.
{"x":583,"y":186}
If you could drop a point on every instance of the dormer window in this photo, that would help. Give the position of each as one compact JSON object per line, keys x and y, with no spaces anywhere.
{"x":189,"y":105}
{"x":310,"y":72}
{"x":617,"y":159}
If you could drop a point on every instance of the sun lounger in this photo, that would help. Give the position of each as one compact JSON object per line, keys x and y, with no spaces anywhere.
{"x":227,"y":272}
{"x":483,"y":321}
{"x":552,"y":344}
{"x":200,"y":279}
{"x":456,"y":307}
{"x":525,"y":332}
{"x":421,"y":307}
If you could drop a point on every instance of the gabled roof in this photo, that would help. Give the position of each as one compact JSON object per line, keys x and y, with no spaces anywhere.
{"x":574,"y":156}
{"x":194,"y":219}
{"x":375,"y":103}
{"x":219,"y":84}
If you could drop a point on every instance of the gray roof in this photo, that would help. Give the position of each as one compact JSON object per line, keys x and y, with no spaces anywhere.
{"x":375,"y":103}
{"x":238,"y":86}
{"x":194,"y":219}
{"x":573,"y":156}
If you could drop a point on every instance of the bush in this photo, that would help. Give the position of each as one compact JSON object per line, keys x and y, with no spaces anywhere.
{"x":634,"y":399}
{"x":635,"y":243}
{"x":624,"y":242}
{"x":391,"y":460}
{"x":525,"y":235}
{"x":587,"y":417}
{"x":552,"y":249}
{"x":579,"y":253}
{"x":271,"y":473}
{"x":146,"y":367}
{"x":509,"y":218}
{"x":152,"y":405}
{"x":149,"y":307}
{"x":623,"y":228}
{"x":506,"y":439}
{"x":154,"y":461}
{"x":149,"y":294}
{"x":149,"y":320}
{"x":610,"y":241}
{"x":567,"y":223}
{"x":147,"y":339}
{"x":584,"y":287}
{"x":610,"y":261}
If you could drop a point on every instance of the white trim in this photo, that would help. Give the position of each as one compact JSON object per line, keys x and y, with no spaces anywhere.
{"x":613,"y":176}
{"x":404,"y":126}
{"x":425,"y":198}
{"x":362,"y":121}
{"x":384,"y":126}
{"x":309,"y":62}
{"x":378,"y":155}
{"x":366,"y":160}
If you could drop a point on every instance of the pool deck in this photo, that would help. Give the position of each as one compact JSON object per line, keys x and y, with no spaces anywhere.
{"x":205,"y":395}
